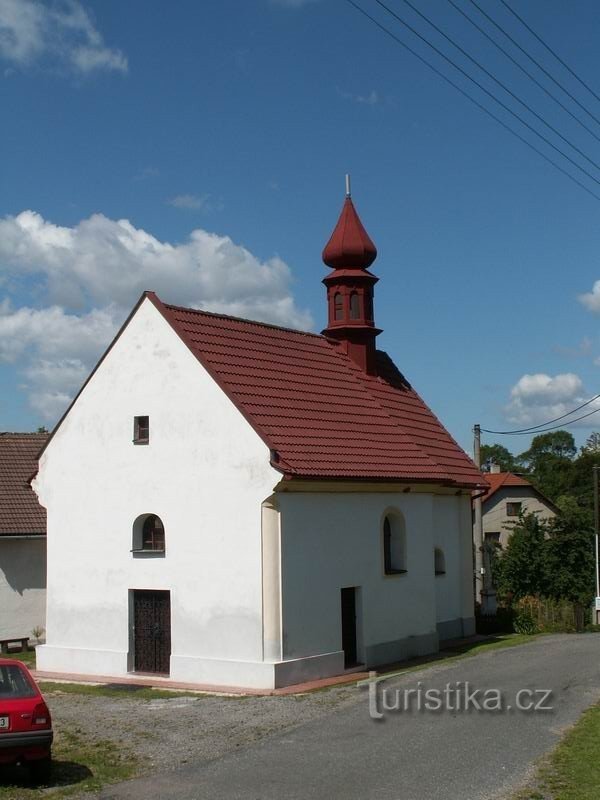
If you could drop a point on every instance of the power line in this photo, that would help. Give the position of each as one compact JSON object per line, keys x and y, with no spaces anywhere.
{"x":522,"y":68}
{"x":533,"y":428}
{"x":544,"y":430}
{"x":493,"y":77}
{"x":534,"y":61}
{"x":479,"y":105}
{"x":549,"y":49}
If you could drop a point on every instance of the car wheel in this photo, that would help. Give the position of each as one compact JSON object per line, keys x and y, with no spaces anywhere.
{"x":40,"y":770}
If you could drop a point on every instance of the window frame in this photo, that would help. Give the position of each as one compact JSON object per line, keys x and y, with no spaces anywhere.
{"x":510,"y":505}
{"x":139,"y":428}
{"x":387,"y":534}
{"x":338,"y":307}
{"x":439,"y":561}
{"x":140,"y":538}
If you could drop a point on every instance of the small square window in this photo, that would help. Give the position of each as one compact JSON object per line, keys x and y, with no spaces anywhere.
{"x":513,"y":509}
{"x":492,"y":537}
{"x":141,"y":430}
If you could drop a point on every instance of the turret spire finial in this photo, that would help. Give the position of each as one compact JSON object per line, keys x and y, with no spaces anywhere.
{"x":348,"y":192}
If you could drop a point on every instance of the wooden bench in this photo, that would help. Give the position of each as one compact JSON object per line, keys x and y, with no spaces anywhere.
{"x":6,"y":643}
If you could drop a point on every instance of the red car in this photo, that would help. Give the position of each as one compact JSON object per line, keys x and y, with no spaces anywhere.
{"x":25,"y":723}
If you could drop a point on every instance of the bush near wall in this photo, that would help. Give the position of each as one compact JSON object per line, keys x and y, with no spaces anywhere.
{"x":533,"y":614}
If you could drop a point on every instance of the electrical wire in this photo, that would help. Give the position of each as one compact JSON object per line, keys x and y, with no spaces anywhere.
{"x":522,"y":68}
{"x":550,"y":50}
{"x":475,"y":102}
{"x":533,"y":428}
{"x":493,"y":77}
{"x":534,"y":61}
{"x":544,"y":430}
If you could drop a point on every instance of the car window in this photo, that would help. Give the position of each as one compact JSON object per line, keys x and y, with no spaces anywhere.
{"x":14,"y":683}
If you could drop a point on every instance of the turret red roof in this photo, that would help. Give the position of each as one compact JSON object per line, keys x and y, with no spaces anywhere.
{"x":322,"y":416}
{"x":350,"y":245}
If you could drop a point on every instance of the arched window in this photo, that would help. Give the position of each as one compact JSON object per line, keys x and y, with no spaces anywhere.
{"x":354,"y":306}
{"x":338,"y":306}
{"x":439,"y":561}
{"x":368,"y":306}
{"x":148,"y":534}
{"x":394,"y":545}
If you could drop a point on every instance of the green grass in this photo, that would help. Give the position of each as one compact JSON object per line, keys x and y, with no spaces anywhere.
{"x":572,"y":771}
{"x":78,"y":765}
{"x":27,"y":657}
{"x":123,"y":690}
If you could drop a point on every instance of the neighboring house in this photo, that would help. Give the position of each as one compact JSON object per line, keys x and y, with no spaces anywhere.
{"x":236,"y":503}
{"x":509,"y":495}
{"x":22,"y":538}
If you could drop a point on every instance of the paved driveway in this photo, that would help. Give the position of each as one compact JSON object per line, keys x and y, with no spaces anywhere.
{"x":427,"y":755}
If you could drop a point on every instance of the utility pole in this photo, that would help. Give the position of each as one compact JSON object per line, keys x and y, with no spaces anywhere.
{"x":596,"y":614}
{"x":478,"y":522}
{"x":484,"y":591}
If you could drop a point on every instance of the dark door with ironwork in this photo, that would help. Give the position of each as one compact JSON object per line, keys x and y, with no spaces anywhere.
{"x":349,"y":626}
{"x":152,"y":631}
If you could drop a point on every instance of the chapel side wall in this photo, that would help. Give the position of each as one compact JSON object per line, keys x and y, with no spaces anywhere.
{"x":334,"y":540}
{"x":205,"y":473}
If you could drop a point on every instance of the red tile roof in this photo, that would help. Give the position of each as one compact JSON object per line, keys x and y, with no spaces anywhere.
{"x":20,"y":512}
{"x":321,"y":415}
{"x":500,"y":480}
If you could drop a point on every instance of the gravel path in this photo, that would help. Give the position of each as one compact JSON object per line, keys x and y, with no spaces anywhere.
{"x":166,"y":733}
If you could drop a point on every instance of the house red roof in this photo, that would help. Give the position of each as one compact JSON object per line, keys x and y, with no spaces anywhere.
{"x":318,"y":412}
{"x":498,"y":480}
{"x":20,"y":512}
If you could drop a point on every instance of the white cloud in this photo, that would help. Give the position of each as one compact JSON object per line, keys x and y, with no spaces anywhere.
{"x":537,"y":398}
{"x":31,"y":30}
{"x":370,"y":99}
{"x":591,"y":300}
{"x":191,"y":202}
{"x":91,"y":274}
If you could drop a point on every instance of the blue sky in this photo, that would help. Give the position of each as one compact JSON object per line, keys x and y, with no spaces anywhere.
{"x":199,"y":149}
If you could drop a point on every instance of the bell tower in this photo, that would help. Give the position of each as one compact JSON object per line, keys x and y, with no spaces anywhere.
{"x":350,"y":252}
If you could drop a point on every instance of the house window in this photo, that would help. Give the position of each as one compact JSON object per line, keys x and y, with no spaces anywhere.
{"x":394,"y":545}
{"x":439,"y":561}
{"x":354,"y":306}
{"x":492,"y":537}
{"x":513,"y":509}
{"x":148,"y":535}
{"x":141,"y":430}
{"x":338,"y":306}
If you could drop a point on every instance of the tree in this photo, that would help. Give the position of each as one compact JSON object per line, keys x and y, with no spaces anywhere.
{"x":520,"y":569}
{"x":498,"y":454}
{"x":42,"y":429}
{"x":557,"y":443}
{"x":592,"y":444}
{"x":570,"y":558}
{"x":549,"y":460}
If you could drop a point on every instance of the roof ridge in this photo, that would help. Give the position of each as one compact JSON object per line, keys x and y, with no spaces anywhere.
{"x":257,"y":322}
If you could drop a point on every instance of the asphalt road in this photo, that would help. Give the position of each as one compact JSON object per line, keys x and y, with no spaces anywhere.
{"x":408,"y":755}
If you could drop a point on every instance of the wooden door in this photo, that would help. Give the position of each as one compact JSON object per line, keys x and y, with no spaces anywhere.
{"x":349,"y":626}
{"x":152,"y":631}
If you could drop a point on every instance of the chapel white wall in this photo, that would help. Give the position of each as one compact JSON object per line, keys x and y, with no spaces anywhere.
{"x":205,"y":473}
{"x":334,"y":540}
